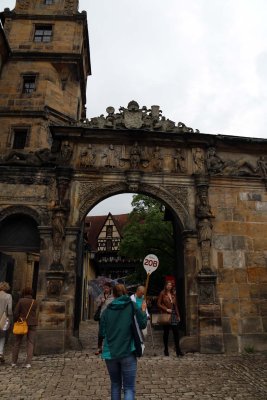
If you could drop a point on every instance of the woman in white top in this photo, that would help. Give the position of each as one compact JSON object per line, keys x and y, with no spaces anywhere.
{"x":5,"y":306}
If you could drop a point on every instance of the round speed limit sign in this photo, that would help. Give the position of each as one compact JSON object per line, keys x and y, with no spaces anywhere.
{"x":150,"y":263}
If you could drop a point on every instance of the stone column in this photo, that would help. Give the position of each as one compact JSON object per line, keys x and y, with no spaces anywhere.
{"x":209,"y":309}
{"x":190,"y":342}
{"x":52,"y":309}
{"x":72,"y":260}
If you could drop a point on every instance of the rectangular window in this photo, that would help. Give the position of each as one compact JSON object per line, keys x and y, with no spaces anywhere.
{"x":43,"y":33}
{"x":109,"y":245}
{"x":49,"y":2}
{"x":109,"y":230}
{"x":19,"y":138}
{"x":29,"y":83}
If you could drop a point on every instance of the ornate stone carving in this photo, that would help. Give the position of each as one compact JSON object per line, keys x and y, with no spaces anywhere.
{"x":87,"y":157}
{"x":179,"y":160}
{"x":157,"y":159}
{"x":55,"y":281}
{"x":135,"y":156}
{"x":199,"y":161}
{"x":110,"y":157}
{"x":58,"y":235}
{"x":204,"y":225}
{"x":262,"y":166}
{"x":134,"y":117}
{"x":91,"y":193}
{"x":180,"y":193}
{"x":22,"y":157}
{"x":133,"y":180}
{"x":65,"y":153}
{"x":216,"y":165}
{"x":63,"y":182}
{"x":207,"y":288}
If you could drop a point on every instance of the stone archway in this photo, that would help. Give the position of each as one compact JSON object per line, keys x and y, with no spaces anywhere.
{"x":175,"y":197}
{"x":209,"y":187}
{"x":20,"y":247}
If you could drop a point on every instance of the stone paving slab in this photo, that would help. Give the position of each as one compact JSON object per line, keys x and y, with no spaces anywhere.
{"x":82,"y":375}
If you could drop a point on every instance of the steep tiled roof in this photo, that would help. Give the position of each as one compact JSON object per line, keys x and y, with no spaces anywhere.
{"x":94,"y":225}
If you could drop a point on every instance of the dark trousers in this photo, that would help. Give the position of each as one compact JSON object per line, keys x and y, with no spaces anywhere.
{"x":99,"y":338}
{"x":30,"y":342}
{"x":175,"y":331}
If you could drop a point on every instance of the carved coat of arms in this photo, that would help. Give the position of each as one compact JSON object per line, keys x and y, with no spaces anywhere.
{"x":133,"y":120}
{"x":133,"y":116}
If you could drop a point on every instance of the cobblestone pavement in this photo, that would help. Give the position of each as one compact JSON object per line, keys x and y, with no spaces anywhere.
{"x":82,"y":375}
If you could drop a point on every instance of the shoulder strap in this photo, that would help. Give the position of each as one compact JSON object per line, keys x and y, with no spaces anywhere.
{"x":29,"y":310}
{"x":134,"y":308}
{"x":5,"y":310}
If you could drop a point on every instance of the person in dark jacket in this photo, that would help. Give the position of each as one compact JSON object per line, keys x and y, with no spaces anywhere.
{"x":24,"y":305}
{"x":167,"y":303}
{"x":118,"y":347}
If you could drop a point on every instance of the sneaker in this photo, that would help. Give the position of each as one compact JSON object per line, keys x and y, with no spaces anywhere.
{"x":28,"y":366}
{"x":13,"y":365}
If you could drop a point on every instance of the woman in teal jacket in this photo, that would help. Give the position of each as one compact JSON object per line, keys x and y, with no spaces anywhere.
{"x":118,"y":348}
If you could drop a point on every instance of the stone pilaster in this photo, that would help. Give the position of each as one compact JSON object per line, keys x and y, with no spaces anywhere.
{"x":190,"y":342}
{"x":52,"y":309}
{"x":209,"y":314}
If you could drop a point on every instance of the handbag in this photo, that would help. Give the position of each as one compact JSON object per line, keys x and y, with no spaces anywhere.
{"x":164,"y":319}
{"x":137,"y":335}
{"x":97,"y":314}
{"x":21,"y":327}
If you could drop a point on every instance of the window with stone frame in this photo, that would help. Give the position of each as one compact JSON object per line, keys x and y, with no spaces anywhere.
{"x":20,"y":136}
{"x":43,"y":33}
{"x":29,"y":84}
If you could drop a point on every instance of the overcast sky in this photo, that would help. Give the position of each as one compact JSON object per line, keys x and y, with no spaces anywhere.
{"x":203,"y":61}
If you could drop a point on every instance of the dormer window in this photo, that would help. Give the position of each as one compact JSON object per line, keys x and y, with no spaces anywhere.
{"x":43,"y":33}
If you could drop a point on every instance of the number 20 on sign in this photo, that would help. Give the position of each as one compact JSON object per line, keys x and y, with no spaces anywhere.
{"x":150,"y":263}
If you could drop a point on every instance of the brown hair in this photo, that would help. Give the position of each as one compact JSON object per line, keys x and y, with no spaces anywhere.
{"x":119,"y":290}
{"x":4,"y":286}
{"x":166,"y":283}
{"x":27,"y":291}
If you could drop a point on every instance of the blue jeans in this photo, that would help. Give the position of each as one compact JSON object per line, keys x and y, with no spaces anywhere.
{"x":122,"y":372}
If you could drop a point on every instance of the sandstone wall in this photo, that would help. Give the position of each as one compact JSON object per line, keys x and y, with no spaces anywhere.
{"x":239,"y":254}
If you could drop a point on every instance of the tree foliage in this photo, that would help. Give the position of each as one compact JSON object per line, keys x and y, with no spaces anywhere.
{"x":146,"y":233}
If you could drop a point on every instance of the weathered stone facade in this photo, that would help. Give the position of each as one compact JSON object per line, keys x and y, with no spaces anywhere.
{"x":214,"y":187}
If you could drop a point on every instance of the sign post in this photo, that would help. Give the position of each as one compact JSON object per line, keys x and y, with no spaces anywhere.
{"x":150,"y":263}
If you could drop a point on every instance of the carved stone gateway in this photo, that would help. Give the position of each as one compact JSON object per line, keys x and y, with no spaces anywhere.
{"x":214,"y":187}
